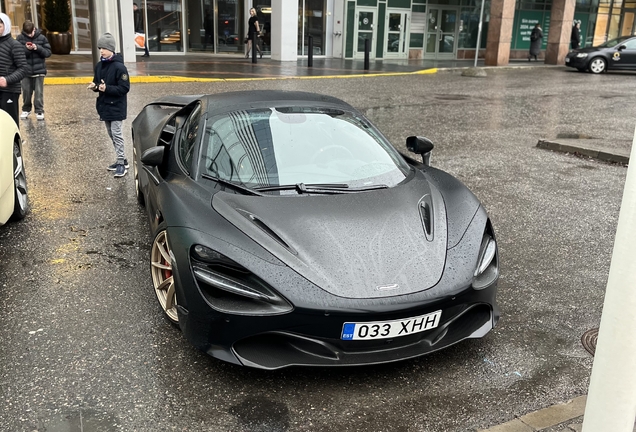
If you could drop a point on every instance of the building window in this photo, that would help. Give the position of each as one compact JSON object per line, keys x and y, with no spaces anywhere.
{"x":311,"y":22}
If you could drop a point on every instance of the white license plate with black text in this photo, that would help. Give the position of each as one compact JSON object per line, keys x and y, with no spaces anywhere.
{"x":390,"y":329}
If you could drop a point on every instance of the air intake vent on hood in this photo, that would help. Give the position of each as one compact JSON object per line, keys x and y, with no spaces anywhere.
{"x":426,"y":211}
{"x":263,"y":226}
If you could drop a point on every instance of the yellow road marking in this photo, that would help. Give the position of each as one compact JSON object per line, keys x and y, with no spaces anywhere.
{"x":179,"y":79}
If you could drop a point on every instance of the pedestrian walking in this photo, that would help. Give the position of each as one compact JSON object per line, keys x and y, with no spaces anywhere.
{"x":13,"y":67}
{"x":112,"y":82}
{"x":575,"y":38}
{"x":253,"y":31}
{"x":536,"y":38}
{"x":36,"y":49}
{"x":139,"y":27}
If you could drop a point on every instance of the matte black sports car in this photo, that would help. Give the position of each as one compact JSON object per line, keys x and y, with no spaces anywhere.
{"x":614,"y":54}
{"x":288,"y":231}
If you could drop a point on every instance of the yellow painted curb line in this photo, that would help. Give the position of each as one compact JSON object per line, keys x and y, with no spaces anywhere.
{"x":178,"y":79}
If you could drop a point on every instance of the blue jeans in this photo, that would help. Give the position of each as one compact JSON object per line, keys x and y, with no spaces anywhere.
{"x":29,"y":86}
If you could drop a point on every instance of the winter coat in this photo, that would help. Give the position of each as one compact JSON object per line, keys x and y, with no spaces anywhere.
{"x":139,"y":21}
{"x":112,"y":104}
{"x":36,"y":58}
{"x":13,"y":65}
{"x":575,"y":38}
{"x":536,"y":38}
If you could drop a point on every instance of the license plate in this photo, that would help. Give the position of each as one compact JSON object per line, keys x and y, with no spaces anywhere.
{"x":390,"y":329}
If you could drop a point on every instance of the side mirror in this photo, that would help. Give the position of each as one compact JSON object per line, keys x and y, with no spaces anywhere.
{"x":422,"y":146}
{"x":153,"y":156}
{"x":622,"y":47}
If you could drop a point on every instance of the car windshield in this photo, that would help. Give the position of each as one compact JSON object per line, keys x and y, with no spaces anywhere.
{"x":286,"y":146}
{"x":612,"y":43}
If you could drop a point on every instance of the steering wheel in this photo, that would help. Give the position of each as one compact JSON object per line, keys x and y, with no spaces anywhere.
{"x":333,"y":148}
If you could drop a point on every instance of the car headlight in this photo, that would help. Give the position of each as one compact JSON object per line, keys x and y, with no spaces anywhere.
{"x":581,"y":55}
{"x":229,"y":287}
{"x":487,"y":270}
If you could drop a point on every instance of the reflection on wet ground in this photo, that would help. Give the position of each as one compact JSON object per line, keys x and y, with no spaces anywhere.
{"x":84,"y":341}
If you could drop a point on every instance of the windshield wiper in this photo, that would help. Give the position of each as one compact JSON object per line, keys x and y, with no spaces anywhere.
{"x":317,"y":188}
{"x":234,"y":185}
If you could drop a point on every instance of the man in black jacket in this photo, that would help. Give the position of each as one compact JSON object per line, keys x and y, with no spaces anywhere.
{"x":13,"y":68}
{"x":37,"y":49}
{"x":112,"y":82}
{"x":575,"y":37}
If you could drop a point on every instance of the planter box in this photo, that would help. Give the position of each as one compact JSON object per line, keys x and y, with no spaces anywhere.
{"x":60,"y":42}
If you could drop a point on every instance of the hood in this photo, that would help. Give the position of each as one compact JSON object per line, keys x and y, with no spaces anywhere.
{"x":7,"y":24}
{"x":35,"y":35}
{"x":372,"y":244}
{"x":591,"y":49}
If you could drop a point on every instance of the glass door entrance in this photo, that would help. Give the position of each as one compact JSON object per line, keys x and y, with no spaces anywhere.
{"x":397,"y":30}
{"x":441,"y":33}
{"x":164,"y":25}
{"x":365,"y":30}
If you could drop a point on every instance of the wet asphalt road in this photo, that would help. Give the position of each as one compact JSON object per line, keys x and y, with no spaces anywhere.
{"x":83,"y":340}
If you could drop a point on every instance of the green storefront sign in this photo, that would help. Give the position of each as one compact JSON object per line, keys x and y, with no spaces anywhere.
{"x":524,"y":23}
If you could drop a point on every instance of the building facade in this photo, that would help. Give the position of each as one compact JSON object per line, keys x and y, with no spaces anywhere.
{"x":391,"y":29}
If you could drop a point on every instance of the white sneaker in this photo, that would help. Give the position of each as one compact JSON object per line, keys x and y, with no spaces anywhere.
{"x":39,"y":116}
{"x":24,"y":114}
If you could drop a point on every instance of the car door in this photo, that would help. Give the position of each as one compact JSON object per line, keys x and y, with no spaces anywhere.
{"x":625,"y":55}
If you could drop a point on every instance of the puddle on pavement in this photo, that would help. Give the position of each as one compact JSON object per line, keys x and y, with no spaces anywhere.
{"x":80,"y":421}
{"x":573,"y":136}
{"x":259,"y":414}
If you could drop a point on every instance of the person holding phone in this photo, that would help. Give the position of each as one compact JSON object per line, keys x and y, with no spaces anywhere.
{"x":112,"y":83}
{"x":37,"y":50}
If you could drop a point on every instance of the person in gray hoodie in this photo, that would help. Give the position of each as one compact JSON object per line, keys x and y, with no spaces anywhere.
{"x":37,"y":49}
{"x":13,"y":67}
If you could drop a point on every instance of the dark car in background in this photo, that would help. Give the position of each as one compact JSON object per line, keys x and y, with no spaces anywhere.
{"x":618,"y":54}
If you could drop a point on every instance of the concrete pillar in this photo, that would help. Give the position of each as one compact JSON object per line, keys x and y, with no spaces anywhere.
{"x":106,"y":18}
{"x":284,"y":30}
{"x":127,"y":27}
{"x":502,"y":15}
{"x":611,"y":400}
{"x":561,"y":17}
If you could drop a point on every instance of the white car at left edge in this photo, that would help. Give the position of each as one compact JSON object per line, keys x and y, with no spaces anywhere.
{"x":13,"y":186}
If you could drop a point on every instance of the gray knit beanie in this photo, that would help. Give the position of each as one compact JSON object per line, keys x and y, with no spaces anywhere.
{"x":106,"y":41}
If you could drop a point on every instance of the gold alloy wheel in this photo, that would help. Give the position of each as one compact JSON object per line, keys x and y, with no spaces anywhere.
{"x":162,"y":280}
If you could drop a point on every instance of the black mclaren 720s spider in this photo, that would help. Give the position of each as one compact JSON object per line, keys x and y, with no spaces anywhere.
{"x":287,"y":230}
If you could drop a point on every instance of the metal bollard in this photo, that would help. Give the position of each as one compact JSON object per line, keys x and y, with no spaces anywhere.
{"x":254,"y":42}
{"x":310,"y":54}
{"x":366,"y":54}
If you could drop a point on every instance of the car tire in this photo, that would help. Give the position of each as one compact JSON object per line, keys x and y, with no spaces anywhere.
{"x":597,"y":65}
{"x":140,"y":195}
{"x":162,"y":275}
{"x":21,"y":201}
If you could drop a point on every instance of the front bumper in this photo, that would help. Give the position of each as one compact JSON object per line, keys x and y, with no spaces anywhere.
{"x":576,"y":62}
{"x":312,"y":338}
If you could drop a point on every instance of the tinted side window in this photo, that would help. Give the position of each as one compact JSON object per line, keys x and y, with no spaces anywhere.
{"x":631,"y":44}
